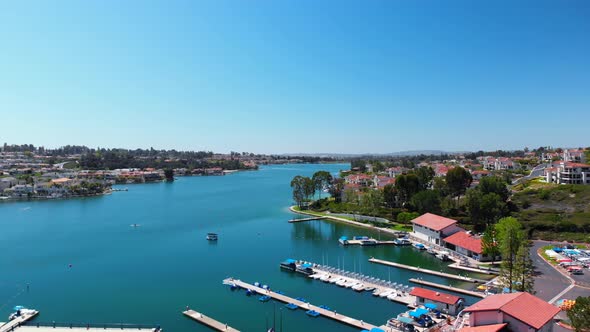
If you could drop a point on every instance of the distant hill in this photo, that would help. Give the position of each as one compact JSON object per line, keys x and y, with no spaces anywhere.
{"x":357,"y":155}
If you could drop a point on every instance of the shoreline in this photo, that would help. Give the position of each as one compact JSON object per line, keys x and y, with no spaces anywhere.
{"x":339,"y":219}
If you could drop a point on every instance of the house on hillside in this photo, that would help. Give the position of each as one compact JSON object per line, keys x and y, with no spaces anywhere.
{"x":520,"y":312}
{"x":568,"y":173}
{"x":433,"y":228}
{"x":574,"y":155}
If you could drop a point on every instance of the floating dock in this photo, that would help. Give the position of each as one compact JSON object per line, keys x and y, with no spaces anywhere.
{"x":15,"y":323}
{"x":306,"y":306}
{"x":471,"y":269}
{"x":205,"y":320}
{"x":307,"y":219}
{"x":449,"y":288}
{"x":367,"y":242}
{"x":435,"y":273}
{"x":405,"y":298}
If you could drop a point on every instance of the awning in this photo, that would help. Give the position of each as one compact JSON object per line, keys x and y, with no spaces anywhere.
{"x":306,"y":265}
{"x":376,"y":329}
{"x":414,"y":314}
{"x":430,"y":305}
{"x":405,"y":320}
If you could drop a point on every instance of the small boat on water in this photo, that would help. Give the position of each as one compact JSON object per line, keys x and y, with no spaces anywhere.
{"x":386,"y":293}
{"x":19,"y":311}
{"x":264,"y":298}
{"x":323,"y":306}
{"x":370,"y":242}
{"x":343,"y":240}
{"x":377,"y":291}
{"x":419,"y":246}
{"x":358,"y":287}
{"x":212,"y":236}
{"x":402,"y":242}
{"x":432,"y":251}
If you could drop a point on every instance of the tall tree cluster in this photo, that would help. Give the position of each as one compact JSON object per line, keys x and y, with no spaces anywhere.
{"x":517,"y":267}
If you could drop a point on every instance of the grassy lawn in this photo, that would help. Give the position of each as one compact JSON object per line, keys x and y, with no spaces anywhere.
{"x":394,"y":226}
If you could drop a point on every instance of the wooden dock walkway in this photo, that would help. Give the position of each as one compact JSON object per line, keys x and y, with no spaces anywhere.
{"x":449,"y":288}
{"x":435,"y":273}
{"x":306,"y":219}
{"x":205,"y":320}
{"x":306,"y":306}
{"x":474,"y":270}
{"x":368,"y":242}
{"x":9,"y":326}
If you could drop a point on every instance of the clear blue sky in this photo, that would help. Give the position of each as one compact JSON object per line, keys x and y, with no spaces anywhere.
{"x":296,"y":76}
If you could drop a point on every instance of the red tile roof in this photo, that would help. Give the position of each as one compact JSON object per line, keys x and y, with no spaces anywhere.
{"x":435,"y":296}
{"x":484,"y":328}
{"x":575,"y":165}
{"x":434,"y":221}
{"x":518,"y":305}
{"x":465,"y":240}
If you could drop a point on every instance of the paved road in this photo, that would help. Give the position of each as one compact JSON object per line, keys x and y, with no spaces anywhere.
{"x":548,"y":282}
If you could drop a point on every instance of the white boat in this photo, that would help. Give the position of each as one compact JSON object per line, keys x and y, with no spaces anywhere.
{"x":392,"y":297}
{"x":377,"y":291}
{"x":341,"y":282}
{"x":443,"y":255}
{"x":358,"y":287}
{"x":350,"y":284}
{"x":386,"y":293}
{"x":369,"y":288}
{"x":334,"y":280}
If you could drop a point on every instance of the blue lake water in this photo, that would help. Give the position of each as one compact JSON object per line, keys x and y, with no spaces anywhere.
{"x":150,"y":273}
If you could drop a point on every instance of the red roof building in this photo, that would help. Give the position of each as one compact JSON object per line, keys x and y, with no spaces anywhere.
{"x":448,"y":303}
{"x":466,"y":244}
{"x":433,"y":228}
{"x":521,"y":311}
{"x":484,"y":328}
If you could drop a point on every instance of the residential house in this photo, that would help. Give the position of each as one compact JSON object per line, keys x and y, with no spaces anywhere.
{"x":440,"y":169}
{"x":395,"y":171}
{"x":522,"y":312}
{"x":574,"y":155}
{"x":359,"y":179}
{"x":477,"y":175}
{"x":7,"y":182}
{"x":549,"y":157}
{"x":446,"y":303}
{"x":381,"y":181}
{"x":19,"y":190}
{"x":433,"y":228}
{"x":568,"y":173}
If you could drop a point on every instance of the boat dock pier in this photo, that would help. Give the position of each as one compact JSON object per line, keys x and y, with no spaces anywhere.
{"x":474,"y":270}
{"x":435,"y":273}
{"x":306,"y":306}
{"x":367,"y":242}
{"x":377,"y":286}
{"x":306,"y":219}
{"x":212,"y":323}
{"x":449,"y":288}
{"x":17,"y":322}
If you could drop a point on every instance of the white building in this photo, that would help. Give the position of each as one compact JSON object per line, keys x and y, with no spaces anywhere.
{"x":568,"y":173}
{"x":522,"y":312}
{"x":574,"y":155}
{"x":433,"y":228}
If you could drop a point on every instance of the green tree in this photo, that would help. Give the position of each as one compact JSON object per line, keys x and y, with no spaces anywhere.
{"x":426,"y":201}
{"x":406,"y":186}
{"x":510,"y":237}
{"x":406,"y":217}
{"x":579,"y":314}
{"x":298,"y":186}
{"x":458,"y":180}
{"x":425,"y":176}
{"x":489,"y":245}
{"x":390,"y":195}
{"x":308,"y":188}
{"x":372,"y":201}
{"x":336,"y":188}
{"x":524,"y":269}
{"x":492,"y":208}
{"x":169,"y":174}
{"x":321,"y":180}
{"x":493,"y":184}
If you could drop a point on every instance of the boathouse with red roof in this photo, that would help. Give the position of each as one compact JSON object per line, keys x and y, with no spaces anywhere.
{"x":434,"y":228}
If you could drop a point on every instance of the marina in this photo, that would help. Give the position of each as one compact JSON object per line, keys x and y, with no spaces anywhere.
{"x":427,"y":271}
{"x":305,"y":305}
{"x":212,"y":323}
{"x":449,"y":288}
{"x":17,"y":320}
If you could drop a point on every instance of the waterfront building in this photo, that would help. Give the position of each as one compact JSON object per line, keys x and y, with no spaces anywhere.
{"x":434,"y":228}
{"x":446,"y":303}
{"x":574,"y":155}
{"x":521,"y":312}
{"x":466,"y":244}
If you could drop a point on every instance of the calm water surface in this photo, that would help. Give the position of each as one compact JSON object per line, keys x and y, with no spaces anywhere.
{"x":150,"y":273}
